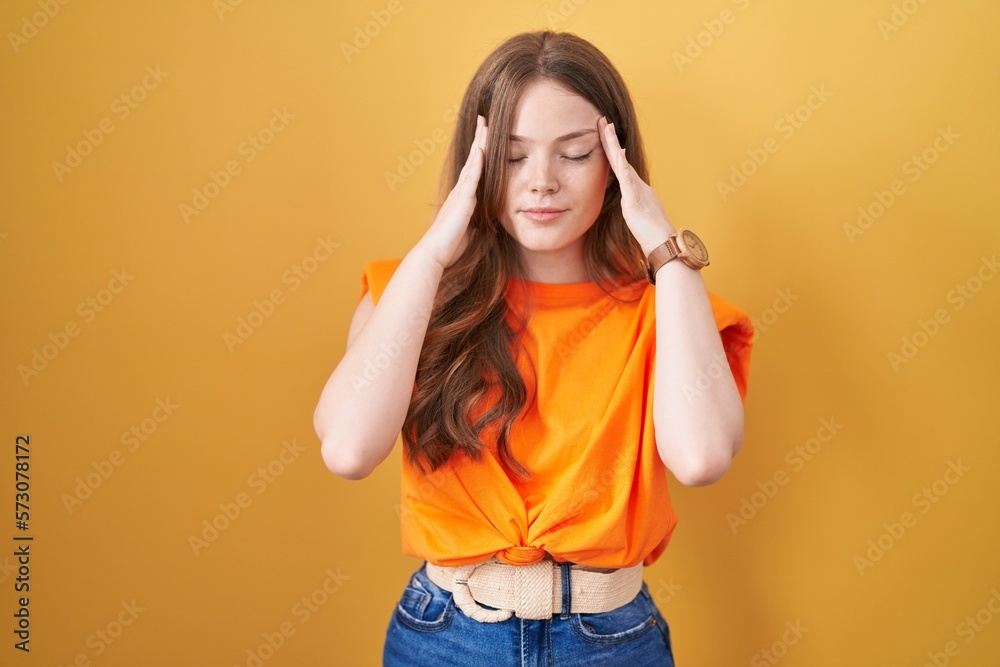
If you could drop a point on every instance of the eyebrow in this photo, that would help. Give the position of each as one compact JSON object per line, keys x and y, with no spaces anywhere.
{"x":565,"y":137}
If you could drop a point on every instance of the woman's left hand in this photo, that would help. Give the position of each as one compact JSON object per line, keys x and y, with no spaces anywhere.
{"x":641,"y":208}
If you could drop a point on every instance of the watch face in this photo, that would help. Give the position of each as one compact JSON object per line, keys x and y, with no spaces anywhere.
{"x":694,"y":246}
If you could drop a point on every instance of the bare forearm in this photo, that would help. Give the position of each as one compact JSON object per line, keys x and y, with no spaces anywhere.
{"x":698,"y":413}
{"x":698,"y":424}
{"x":363,"y":405}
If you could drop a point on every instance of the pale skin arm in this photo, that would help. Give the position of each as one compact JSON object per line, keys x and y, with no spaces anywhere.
{"x":697,"y":432}
{"x":364,"y":402}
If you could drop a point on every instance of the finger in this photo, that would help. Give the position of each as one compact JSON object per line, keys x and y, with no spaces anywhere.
{"x":608,"y":140}
{"x":612,"y":149}
{"x":476,"y":138}
{"x":602,"y":123}
{"x":616,"y":158}
{"x":475,"y":148}
{"x":468,"y":179}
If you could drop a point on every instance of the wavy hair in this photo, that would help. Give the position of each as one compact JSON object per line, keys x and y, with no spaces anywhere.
{"x":467,"y":382}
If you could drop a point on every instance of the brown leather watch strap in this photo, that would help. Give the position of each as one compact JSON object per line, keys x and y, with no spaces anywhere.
{"x":660,"y":255}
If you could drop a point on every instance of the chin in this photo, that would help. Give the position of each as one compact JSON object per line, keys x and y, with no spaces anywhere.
{"x":545,"y":238}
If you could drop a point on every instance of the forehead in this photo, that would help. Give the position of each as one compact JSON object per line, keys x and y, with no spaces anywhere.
{"x":547,"y":110}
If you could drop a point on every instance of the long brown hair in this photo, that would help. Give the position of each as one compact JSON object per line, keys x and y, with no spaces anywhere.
{"x":467,"y":380}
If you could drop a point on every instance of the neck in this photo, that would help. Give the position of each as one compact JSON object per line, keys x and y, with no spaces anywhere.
{"x":562,"y":266}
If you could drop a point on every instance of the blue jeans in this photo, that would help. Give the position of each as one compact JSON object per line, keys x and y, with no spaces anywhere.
{"x":427,"y":628}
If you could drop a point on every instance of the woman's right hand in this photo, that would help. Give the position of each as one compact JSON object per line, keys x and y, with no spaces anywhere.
{"x":448,"y":235}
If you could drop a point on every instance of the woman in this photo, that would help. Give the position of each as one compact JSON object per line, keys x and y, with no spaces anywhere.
{"x":515,"y":347}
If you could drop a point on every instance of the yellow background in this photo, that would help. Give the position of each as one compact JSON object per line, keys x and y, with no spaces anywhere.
{"x":834,"y":307}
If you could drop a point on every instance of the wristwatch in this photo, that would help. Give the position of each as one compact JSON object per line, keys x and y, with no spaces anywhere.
{"x":684,"y":244}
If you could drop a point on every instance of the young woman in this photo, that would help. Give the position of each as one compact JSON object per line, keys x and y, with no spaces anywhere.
{"x":516,"y":348}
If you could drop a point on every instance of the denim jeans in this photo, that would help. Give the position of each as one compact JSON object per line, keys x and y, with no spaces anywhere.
{"x":427,"y":628}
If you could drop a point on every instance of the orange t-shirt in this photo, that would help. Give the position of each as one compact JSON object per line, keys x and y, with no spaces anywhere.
{"x":598,"y":491}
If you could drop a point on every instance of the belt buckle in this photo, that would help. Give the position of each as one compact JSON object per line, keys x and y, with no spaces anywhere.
{"x":532,"y":581}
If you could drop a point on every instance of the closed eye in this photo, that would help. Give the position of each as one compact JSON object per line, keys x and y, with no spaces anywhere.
{"x":573,"y":158}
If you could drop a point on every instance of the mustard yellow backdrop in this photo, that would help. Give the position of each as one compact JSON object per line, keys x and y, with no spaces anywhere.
{"x":188,"y":193}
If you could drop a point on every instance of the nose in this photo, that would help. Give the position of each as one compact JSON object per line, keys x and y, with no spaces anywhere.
{"x":543,"y":176}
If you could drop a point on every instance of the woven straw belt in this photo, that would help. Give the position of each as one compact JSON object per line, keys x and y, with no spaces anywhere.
{"x":534,"y":591}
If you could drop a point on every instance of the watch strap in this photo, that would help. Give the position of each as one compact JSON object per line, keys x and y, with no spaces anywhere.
{"x":660,"y":255}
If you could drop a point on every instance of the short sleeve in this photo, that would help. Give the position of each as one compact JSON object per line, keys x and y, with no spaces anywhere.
{"x":737,"y":334}
{"x":375,"y":276}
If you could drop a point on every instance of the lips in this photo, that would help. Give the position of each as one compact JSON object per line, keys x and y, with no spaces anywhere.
{"x":542,"y":213}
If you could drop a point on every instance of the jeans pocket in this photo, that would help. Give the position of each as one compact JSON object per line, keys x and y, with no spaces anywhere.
{"x":425,"y":606}
{"x":627,"y":622}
